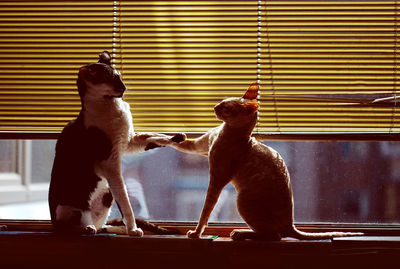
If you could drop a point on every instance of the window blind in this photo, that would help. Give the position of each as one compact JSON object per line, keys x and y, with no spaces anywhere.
{"x":324,"y":66}
{"x":180,"y":58}
{"x":325,"y":62}
{"x":42,"y":45}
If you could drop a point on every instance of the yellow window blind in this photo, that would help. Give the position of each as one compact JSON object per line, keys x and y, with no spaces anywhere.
{"x":42,"y":45}
{"x":180,"y":58}
{"x":321,"y":64}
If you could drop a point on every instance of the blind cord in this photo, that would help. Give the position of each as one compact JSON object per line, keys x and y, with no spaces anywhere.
{"x":259,"y":29}
{"x":117,"y":44}
{"x":115,"y":25}
{"x":395,"y":66}
{"x":271,"y":75}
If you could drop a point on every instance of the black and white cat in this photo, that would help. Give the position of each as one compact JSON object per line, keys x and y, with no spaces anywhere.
{"x":86,"y":175}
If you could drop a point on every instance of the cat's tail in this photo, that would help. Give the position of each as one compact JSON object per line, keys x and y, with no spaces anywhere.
{"x":145,"y":225}
{"x":293,"y":232}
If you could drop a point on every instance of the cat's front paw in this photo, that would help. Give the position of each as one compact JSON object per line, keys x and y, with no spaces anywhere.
{"x":193,"y":234}
{"x":135,"y":232}
{"x":178,"y":138}
{"x":90,"y":229}
{"x":151,"y":145}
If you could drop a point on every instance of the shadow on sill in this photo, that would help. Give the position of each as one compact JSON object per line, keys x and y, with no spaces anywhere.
{"x":23,"y":249}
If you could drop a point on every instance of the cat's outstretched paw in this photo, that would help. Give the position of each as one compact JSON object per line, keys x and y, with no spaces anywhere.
{"x":135,"y":232}
{"x":151,"y":145}
{"x":178,"y":138}
{"x":193,"y":234}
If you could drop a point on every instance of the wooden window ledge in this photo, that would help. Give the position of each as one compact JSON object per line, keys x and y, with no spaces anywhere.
{"x":41,"y":249}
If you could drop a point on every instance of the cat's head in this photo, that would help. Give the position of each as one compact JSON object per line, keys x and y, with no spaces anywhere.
{"x":238,"y":112}
{"x":100,"y":80}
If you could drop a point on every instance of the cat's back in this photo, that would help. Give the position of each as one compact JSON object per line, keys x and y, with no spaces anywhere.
{"x":263,"y":186}
{"x":259,"y":153}
{"x":268,"y":156}
{"x":262,"y":165}
{"x":80,"y":146}
{"x":70,"y":140}
{"x":73,"y":177}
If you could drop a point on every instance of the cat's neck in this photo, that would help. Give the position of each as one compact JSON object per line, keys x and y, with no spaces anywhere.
{"x":105,"y":114}
{"x":242,"y":132}
{"x":104,"y":105}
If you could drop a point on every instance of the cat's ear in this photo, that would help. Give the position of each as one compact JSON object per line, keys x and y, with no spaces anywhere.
{"x":85,"y":73}
{"x":252,"y":91}
{"x":105,"y":58}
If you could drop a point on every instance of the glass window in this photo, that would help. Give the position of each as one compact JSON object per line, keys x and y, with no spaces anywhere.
{"x":8,"y":156}
{"x":43,"y":152}
{"x":339,"y":182}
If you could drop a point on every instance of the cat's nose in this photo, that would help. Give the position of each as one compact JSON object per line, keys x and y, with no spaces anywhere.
{"x":119,"y":86}
{"x":217,"y":107}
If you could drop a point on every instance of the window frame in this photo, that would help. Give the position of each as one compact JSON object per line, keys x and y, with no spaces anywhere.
{"x":224,"y":229}
{"x":29,"y":192}
{"x":38,"y":191}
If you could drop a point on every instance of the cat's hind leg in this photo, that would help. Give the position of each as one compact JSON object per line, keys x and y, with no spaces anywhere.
{"x":243,"y":234}
{"x":100,"y":204}
{"x":73,"y":220}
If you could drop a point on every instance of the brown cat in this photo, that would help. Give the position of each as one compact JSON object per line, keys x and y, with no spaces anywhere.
{"x":258,"y":173}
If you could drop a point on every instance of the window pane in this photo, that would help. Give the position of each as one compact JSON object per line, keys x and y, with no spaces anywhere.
{"x":332,"y":181}
{"x":344,"y":181}
{"x":42,"y":160}
{"x":8,"y":156}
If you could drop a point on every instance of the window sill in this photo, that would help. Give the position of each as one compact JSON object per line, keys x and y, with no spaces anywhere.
{"x":40,"y":247}
{"x":47,"y":250}
{"x":224,"y":229}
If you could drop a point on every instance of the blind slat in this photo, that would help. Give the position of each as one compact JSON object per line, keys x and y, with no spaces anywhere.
{"x":320,"y":63}
{"x":42,"y":45}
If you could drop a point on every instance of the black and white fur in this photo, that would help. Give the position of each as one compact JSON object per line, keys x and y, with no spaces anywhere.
{"x":86,"y":174}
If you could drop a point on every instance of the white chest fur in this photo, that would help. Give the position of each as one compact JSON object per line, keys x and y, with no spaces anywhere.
{"x":113,"y":117}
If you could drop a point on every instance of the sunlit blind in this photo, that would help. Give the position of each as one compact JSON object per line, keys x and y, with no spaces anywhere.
{"x":42,"y":45}
{"x":321,"y":64}
{"x":180,"y":58}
